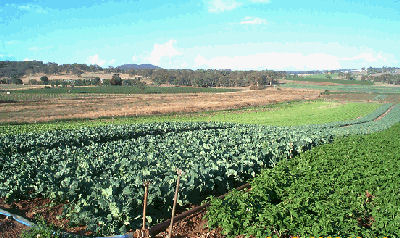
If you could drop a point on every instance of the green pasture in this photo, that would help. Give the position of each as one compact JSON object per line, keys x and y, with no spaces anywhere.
{"x":322,"y":79}
{"x":348,"y":88}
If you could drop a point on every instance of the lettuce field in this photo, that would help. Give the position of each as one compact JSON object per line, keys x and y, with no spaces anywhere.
{"x":98,"y":172}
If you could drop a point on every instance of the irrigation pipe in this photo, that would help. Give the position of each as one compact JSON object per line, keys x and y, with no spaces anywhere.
{"x":17,"y":218}
{"x":153,"y":230}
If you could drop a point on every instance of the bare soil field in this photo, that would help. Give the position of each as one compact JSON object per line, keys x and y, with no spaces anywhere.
{"x":132,"y":105}
{"x":10,"y":228}
{"x":192,"y":226}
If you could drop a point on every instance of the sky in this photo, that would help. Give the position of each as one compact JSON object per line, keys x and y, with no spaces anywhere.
{"x":203,"y":34}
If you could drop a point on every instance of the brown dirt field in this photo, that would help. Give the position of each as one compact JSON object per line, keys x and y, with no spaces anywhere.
{"x":193,"y":226}
{"x":147,"y":104}
{"x":31,"y":209}
{"x":10,"y":228}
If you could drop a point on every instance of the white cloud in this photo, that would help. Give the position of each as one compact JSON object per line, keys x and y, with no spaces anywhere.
{"x":134,"y":58}
{"x":32,"y":8}
{"x":200,"y":61}
{"x":294,"y":61}
{"x":95,"y":59}
{"x":217,"y":6}
{"x":29,"y":8}
{"x":184,"y":65}
{"x":27,"y":59}
{"x":253,"y":21}
{"x":367,"y":57}
{"x":160,"y":51}
{"x":274,"y":60}
{"x":260,"y":1}
{"x":12,"y":42}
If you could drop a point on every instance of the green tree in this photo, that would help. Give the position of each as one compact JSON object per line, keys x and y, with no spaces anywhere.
{"x":328,"y":76}
{"x":33,"y":82}
{"x":116,"y":80}
{"x":44,"y":80}
{"x":16,"y":80}
{"x":96,"y":81}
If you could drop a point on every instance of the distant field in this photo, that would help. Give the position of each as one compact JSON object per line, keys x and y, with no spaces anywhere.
{"x":334,"y":76}
{"x":52,"y":107}
{"x":281,"y":114}
{"x":38,"y":94}
{"x":294,"y":114}
{"x":122,"y":90}
{"x":349,"y":88}
{"x":6,"y":87}
{"x":322,"y":79}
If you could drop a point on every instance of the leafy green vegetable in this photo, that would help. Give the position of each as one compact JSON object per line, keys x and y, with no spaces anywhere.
{"x":348,"y":189}
{"x":100,"y":170}
{"x":41,"y":229}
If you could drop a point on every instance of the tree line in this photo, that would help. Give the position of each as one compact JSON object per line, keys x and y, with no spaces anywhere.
{"x":209,"y":78}
{"x":96,"y":81}
{"x":196,"y":78}
{"x":384,"y":78}
{"x":15,"y":69}
{"x":11,"y":71}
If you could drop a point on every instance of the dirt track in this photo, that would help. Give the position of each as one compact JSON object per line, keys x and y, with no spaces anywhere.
{"x":148,"y":104}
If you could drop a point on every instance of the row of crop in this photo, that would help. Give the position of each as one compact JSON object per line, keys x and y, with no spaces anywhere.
{"x":368,"y":118}
{"x":88,"y":135}
{"x":345,"y":189}
{"x":85,"y":136}
{"x":102,"y":180}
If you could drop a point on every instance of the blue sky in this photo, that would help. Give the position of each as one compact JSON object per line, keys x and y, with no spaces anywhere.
{"x":235,"y":34}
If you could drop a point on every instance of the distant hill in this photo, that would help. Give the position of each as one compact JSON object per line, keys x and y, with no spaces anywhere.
{"x":138,"y":66}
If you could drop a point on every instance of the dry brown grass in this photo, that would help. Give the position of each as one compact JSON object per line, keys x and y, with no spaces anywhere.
{"x":132,"y":105}
{"x":86,"y":75}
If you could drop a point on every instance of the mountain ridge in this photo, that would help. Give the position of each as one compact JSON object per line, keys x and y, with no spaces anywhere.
{"x":137,"y":66}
